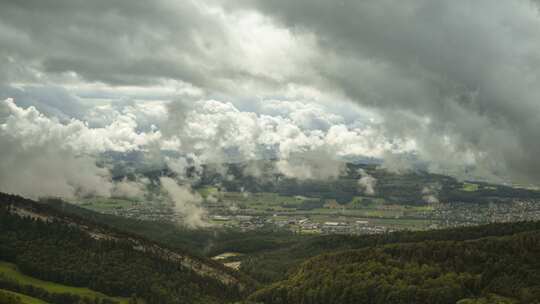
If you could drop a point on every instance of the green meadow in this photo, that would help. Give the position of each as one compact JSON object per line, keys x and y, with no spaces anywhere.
{"x":10,"y":270}
{"x":24,"y":298}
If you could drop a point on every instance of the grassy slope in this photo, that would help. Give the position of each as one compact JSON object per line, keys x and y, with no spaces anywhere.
{"x":10,"y":270}
{"x":24,"y":298}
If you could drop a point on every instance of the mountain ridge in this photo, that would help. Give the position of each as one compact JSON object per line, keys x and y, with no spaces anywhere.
{"x":32,"y":213}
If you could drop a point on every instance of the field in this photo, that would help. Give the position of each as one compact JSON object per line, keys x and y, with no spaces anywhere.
{"x":25,"y":299}
{"x":393,"y":223}
{"x":282,"y":208}
{"x":207,"y":191}
{"x":376,"y":211}
{"x":10,"y":271}
{"x":106,"y":204}
{"x":470,"y":187}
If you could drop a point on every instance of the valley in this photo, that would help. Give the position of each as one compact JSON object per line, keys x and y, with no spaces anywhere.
{"x":415,"y":201}
{"x":268,"y":266}
{"x":256,"y":237}
{"x":269,"y":152}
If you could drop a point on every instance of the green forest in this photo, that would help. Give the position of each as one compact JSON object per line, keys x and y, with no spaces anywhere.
{"x":496,"y":263}
{"x":54,"y":251}
{"x":421,"y":272}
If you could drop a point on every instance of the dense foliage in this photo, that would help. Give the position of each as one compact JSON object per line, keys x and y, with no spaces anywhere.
{"x":423,"y":272}
{"x":270,"y":256}
{"x":273,"y":265}
{"x":496,"y":263}
{"x":61,"y":253}
{"x":202,"y":242}
{"x":9,"y":298}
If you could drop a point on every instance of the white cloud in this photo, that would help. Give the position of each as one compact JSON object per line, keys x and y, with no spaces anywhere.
{"x":214,"y":132}
{"x":430,"y":193}
{"x":315,"y":55}
{"x":35,"y":129}
{"x":366,"y":182}
{"x":186,"y":203}
{"x":43,"y":157}
{"x":130,"y":189}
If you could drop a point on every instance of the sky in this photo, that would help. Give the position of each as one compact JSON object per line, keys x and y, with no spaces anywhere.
{"x":453,"y":85}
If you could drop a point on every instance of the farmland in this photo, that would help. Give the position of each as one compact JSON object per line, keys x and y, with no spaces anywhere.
{"x":411,"y":201}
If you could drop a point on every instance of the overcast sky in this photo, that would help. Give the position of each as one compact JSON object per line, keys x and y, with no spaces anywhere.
{"x":452,"y":84}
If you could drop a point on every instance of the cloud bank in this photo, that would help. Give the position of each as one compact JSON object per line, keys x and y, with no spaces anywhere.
{"x":452,"y":85}
{"x":43,"y":157}
{"x":304,"y":145}
{"x":459,"y":77}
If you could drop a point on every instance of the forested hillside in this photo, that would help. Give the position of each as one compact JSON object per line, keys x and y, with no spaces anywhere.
{"x":395,"y":188}
{"x":403,"y":188}
{"x":273,"y":265}
{"x":270,"y":255}
{"x":507,"y":268}
{"x":496,"y":263}
{"x":50,"y":249}
{"x":203,"y":242}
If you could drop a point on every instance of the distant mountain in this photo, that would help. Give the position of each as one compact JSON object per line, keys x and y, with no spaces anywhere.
{"x":401,"y":188}
{"x":404,"y":188}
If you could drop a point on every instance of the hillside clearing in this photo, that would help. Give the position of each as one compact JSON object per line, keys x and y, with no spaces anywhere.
{"x":10,"y":271}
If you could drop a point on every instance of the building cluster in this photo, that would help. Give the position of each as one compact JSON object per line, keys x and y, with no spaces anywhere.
{"x":242,"y":222}
{"x":468,"y":214}
{"x":443,"y":215}
{"x":149,"y":212}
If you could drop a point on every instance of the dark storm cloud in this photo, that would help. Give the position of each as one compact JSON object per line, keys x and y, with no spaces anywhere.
{"x":463,"y":74}
{"x":459,"y":77}
{"x":117,"y":42}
